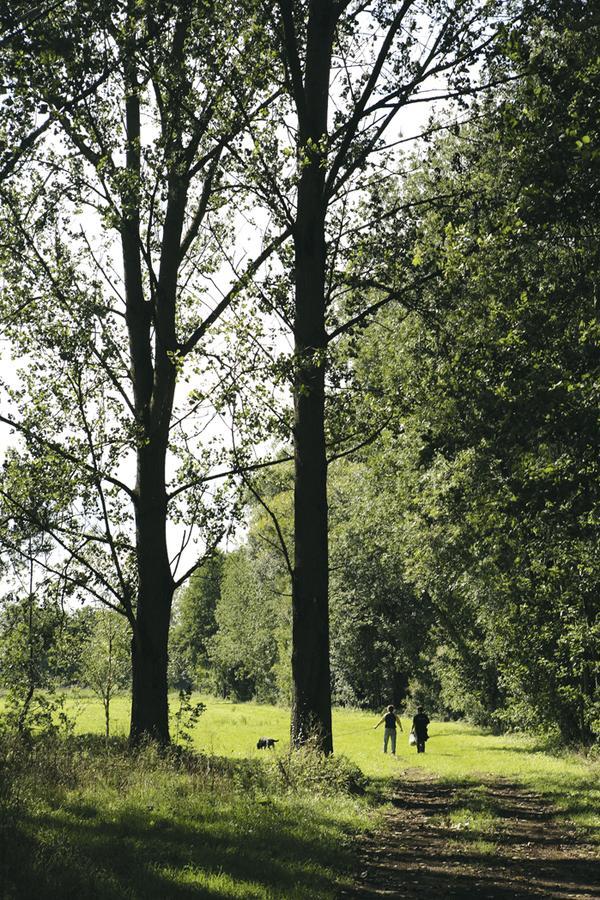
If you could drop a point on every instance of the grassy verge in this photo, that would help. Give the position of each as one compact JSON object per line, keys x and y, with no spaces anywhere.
{"x":82,"y":818}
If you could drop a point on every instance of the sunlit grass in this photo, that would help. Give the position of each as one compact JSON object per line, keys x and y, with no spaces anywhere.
{"x":85,"y":819}
{"x":456,"y":751}
{"x":249,"y":823}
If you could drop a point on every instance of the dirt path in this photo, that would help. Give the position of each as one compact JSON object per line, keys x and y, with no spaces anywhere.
{"x":496,"y":841}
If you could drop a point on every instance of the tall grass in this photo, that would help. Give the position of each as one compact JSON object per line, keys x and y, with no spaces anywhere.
{"x":81,"y":817}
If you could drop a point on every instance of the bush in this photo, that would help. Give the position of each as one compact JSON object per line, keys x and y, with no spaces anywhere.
{"x":309,"y":770}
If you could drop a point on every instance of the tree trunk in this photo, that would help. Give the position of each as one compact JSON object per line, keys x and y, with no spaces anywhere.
{"x":311,"y":698}
{"x":311,"y":704}
{"x":154,"y":377}
{"x":25,"y":709}
{"x":149,"y":654}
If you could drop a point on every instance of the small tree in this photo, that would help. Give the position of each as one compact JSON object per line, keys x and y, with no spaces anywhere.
{"x":107,"y":663}
{"x":33,"y":632}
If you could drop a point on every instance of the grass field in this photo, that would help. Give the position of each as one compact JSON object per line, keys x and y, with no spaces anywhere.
{"x":456,"y":751}
{"x":84,"y":820}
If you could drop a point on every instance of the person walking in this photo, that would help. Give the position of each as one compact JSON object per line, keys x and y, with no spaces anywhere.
{"x":391,"y":721}
{"x":419,"y":728}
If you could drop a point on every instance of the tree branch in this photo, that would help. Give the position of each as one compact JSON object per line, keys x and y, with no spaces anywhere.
{"x":187,"y":346}
{"x":359,"y":110}
{"x":291,"y":58}
{"x":263,"y":503}
{"x":207,"y":555}
{"x":371,"y":310}
{"x":368,"y":440}
{"x":252,"y":467}
{"x":65,"y":454}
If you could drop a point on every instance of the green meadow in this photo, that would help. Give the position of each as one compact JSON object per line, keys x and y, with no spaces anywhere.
{"x":82,"y":817}
{"x":456,"y":751}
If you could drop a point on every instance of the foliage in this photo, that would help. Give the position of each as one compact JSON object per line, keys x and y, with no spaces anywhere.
{"x":379,"y":623}
{"x":41,"y":649}
{"x":107,"y":658}
{"x":347,"y":72}
{"x":308,"y":771}
{"x":444,"y":369}
{"x":112,"y":234}
{"x":490,"y":465}
{"x":186,"y":716}
{"x":194,"y":624}
{"x":244,"y":650}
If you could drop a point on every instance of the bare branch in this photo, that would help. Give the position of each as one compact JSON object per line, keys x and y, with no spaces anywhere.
{"x":372,"y":309}
{"x":100,"y":490}
{"x":264,"y":504}
{"x":291,"y":58}
{"x":237,"y":470}
{"x":359,"y":110}
{"x":220,"y":308}
{"x":367,"y":441}
{"x":15,"y":548}
{"x":200,"y":562}
{"x":202,"y":207}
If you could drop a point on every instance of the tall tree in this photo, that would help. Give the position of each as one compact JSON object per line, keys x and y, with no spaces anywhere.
{"x":350,"y":69}
{"x":112,"y":239}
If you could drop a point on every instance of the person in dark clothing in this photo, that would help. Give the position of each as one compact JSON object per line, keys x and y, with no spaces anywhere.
{"x":419,"y":729}
{"x":389,"y":732}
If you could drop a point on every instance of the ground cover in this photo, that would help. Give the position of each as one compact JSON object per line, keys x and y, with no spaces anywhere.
{"x":456,"y":751}
{"x":240,"y":822}
{"x":80,"y":818}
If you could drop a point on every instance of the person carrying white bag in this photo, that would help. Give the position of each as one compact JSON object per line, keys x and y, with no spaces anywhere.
{"x":419,"y":734}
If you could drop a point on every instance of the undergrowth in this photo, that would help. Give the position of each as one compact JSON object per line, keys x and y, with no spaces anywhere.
{"x":83,"y":817}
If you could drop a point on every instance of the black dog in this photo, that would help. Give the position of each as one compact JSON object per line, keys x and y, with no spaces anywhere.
{"x":266,"y":743}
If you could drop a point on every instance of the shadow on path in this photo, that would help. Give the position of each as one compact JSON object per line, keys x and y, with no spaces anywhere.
{"x":497,"y":840}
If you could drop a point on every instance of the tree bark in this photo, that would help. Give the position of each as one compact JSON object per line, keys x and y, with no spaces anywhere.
{"x":311,"y":706}
{"x":149,"y":708}
{"x":311,"y":698}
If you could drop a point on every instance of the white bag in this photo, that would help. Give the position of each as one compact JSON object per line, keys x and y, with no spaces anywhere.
{"x":412,"y":739}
